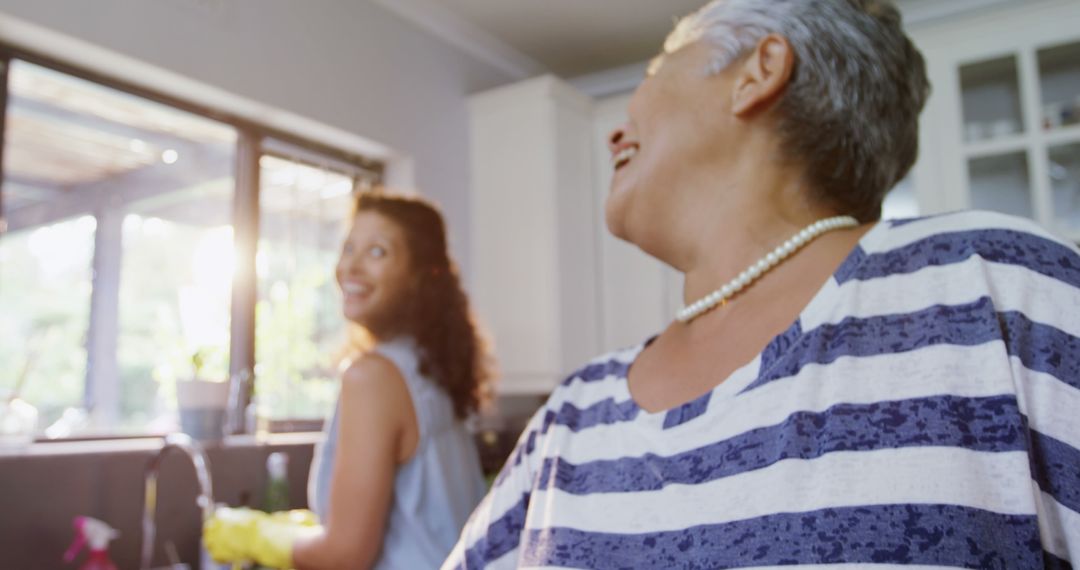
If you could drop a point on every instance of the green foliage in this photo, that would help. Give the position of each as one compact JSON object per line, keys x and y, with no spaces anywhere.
{"x":44,"y":315}
{"x":298,"y":331}
{"x":156,"y":346}
{"x":45,"y":300}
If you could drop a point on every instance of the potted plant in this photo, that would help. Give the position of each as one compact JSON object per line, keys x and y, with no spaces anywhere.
{"x":202,"y":402}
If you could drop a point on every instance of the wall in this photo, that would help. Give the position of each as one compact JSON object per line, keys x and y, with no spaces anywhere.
{"x":346,"y":63}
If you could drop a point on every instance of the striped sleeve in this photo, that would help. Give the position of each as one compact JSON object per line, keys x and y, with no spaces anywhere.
{"x":1037,"y":294}
{"x":1044,"y":349}
{"x":492,"y":535}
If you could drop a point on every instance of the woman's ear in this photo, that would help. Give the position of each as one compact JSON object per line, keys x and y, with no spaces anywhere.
{"x":762,"y":75}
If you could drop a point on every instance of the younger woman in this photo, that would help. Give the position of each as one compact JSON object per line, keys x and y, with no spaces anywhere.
{"x":398,"y":474}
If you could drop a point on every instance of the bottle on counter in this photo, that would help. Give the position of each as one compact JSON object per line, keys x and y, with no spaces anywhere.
{"x":277,"y":486}
{"x":277,"y":483}
{"x":95,"y":535}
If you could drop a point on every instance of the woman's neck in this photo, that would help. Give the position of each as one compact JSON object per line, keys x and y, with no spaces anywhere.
{"x":383,"y":334}
{"x":735,"y":226}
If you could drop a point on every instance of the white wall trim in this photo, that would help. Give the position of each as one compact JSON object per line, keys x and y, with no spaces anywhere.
{"x":458,"y":32}
{"x":608,"y":82}
{"x":108,"y":63}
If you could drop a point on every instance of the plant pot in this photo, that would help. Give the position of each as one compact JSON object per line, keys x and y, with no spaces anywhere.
{"x":202,"y":406}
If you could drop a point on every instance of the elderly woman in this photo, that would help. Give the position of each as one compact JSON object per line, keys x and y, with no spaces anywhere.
{"x":838,"y":390}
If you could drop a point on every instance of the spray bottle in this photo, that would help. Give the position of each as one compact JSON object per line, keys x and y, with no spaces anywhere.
{"x":96,"y":535}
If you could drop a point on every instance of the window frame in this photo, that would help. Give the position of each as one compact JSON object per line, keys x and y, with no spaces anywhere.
{"x":253,"y":141}
{"x":5,"y":64}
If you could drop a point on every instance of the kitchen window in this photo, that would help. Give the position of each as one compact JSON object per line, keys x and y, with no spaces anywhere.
{"x":300,"y":334}
{"x":143,"y":240}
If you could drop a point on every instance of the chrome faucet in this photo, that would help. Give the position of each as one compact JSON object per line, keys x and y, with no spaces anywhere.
{"x":205,"y":500}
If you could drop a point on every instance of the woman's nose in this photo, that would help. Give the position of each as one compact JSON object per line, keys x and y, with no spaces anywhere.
{"x":348,"y":265}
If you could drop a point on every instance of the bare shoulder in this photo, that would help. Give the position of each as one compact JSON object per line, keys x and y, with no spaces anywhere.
{"x":372,"y":368}
{"x":376,"y":379}
{"x":376,"y":405}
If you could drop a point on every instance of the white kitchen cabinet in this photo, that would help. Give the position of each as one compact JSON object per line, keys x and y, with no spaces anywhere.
{"x":534,"y":248}
{"x":554,"y":287}
{"x":1002,"y":129}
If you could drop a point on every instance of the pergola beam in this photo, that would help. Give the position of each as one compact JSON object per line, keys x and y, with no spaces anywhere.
{"x":121,"y":191}
{"x":18,"y":104}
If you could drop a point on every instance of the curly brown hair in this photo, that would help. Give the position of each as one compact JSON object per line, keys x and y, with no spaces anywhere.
{"x":453,"y":352}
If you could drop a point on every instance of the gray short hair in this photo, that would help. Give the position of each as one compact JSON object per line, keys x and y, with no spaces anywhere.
{"x":851,"y":109}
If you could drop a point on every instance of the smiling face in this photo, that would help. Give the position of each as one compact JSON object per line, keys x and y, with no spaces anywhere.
{"x":375,"y":272}
{"x":675,"y":127}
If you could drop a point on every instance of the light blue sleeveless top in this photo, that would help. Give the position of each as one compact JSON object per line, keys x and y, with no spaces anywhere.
{"x":434,"y":492}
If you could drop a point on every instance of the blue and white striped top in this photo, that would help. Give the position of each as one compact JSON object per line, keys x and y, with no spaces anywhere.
{"x":923,"y":411}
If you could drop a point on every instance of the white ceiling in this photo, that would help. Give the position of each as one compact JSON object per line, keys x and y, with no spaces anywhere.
{"x":574,"y":37}
{"x":577,"y":37}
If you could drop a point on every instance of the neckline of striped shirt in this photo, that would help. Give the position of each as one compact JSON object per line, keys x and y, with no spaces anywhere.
{"x":750,"y":371}
{"x":876,"y":255}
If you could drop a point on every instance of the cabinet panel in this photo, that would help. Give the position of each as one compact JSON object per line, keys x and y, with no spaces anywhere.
{"x":1064,"y":173}
{"x":991,"y":101}
{"x":1059,"y":73}
{"x":1000,"y":183}
{"x":901,"y":201}
{"x":534,"y":256}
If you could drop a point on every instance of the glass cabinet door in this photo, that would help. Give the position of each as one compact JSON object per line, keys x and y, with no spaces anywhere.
{"x":991,"y":99}
{"x":1059,"y":82}
{"x":997,"y":165}
{"x":1021,"y":134}
{"x":1064,"y":174}
{"x":1059,"y":86}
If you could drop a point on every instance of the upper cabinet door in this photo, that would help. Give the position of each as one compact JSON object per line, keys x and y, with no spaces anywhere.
{"x":1059,"y":89}
{"x":1002,"y":128}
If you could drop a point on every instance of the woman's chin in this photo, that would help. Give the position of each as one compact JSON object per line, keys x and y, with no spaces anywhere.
{"x":622,"y":225}
{"x":615,"y":215}
{"x":356,"y":315}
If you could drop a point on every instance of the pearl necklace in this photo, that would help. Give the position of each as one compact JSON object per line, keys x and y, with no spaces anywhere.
{"x":752,"y":273}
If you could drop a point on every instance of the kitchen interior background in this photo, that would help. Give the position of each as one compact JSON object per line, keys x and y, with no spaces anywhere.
{"x":176,"y":176}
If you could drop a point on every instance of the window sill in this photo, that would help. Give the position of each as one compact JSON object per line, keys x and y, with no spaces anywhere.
{"x":144,"y":444}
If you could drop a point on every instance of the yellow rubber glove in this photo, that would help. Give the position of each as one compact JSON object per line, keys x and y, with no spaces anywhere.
{"x":242,"y":534}
{"x":278,"y":532}
{"x":228,"y":534}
